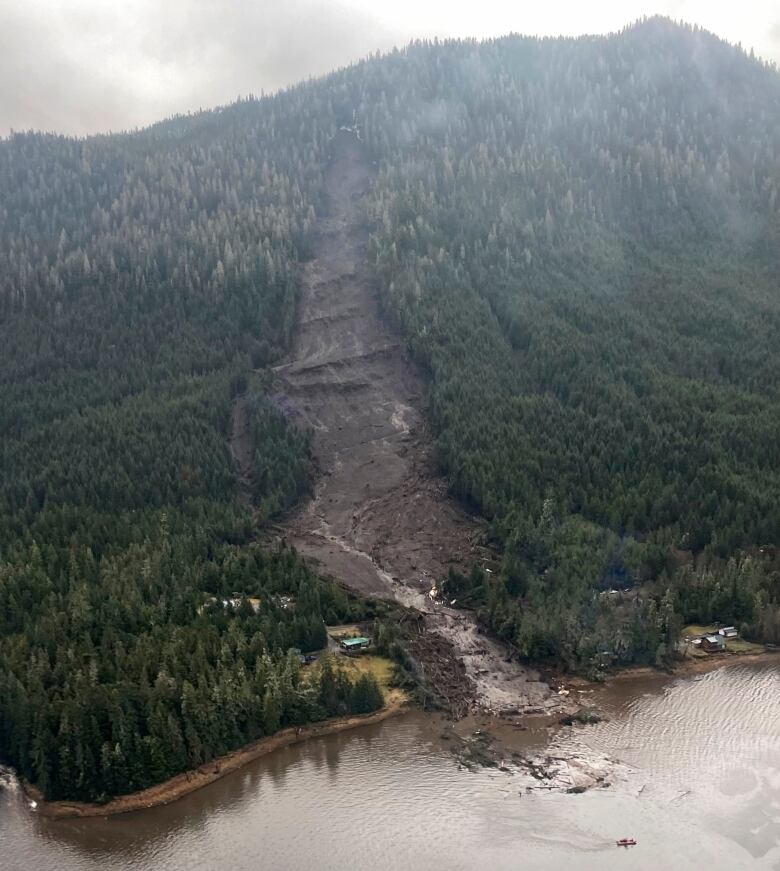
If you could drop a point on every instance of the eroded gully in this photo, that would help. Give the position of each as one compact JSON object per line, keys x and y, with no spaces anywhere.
{"x":381,"y":521}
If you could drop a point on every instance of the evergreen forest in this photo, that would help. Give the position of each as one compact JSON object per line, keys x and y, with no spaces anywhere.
{"x":579,"y":242}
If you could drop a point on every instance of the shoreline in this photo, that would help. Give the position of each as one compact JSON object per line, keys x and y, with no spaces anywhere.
{"x":189,"y":781}
{"x":684,"y":668}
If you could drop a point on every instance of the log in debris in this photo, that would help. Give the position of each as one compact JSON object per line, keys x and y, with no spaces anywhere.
{"x":443,"y":673}
{"x":582,"y":717}
{"x":565,"y":771}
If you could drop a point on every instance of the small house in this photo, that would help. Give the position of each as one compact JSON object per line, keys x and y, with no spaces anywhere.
{"x":713,"y":643}
{"x":728,"y":632}
{"x":355,"y":645}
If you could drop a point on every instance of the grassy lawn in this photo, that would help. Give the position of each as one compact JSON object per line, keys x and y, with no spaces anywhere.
{"x":346,"y":630}
{"x":694,"y":629}
{"x":379,"y":666}
{"x":733,"y":645}
{"x":739,"y":645}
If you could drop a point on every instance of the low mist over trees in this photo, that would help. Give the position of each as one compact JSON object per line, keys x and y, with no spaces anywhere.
{"x":579,"y":241}
{"x":142,"y":279}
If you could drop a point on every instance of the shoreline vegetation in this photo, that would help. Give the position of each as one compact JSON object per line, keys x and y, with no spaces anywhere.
{"x":699,"y":665}
{"x":189,"y":781}
{"x":682,"y":668}
{"x":594,"y":336}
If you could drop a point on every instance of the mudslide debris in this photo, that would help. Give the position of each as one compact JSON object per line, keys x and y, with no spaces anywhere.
{"x":381,"y":521}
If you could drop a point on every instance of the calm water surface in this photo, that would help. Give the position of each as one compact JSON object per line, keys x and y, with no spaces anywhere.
{"x":703,"y":792}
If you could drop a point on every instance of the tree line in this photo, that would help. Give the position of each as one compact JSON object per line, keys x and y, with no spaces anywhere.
{"x":578,"y":239}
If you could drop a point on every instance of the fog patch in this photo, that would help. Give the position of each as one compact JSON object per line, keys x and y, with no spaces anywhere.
{"x":100,"y":67}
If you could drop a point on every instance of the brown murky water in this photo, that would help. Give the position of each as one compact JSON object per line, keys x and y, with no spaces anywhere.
{"x":703,"y":792}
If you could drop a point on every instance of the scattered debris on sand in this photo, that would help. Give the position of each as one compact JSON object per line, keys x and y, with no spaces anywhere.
{"x":443,"y":672}
{"x":569,"y":771}
{"x":581,"y":717}
{"x":476,"y":752}
{"x":560,"y":768}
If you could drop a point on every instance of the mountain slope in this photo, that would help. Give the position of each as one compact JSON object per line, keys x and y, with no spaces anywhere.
{"x":578,"y":242}
{"x":143,"y":277}
{"x":579,"y":239}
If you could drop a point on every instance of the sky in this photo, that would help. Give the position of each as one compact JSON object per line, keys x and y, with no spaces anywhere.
{"x":90,"y":66}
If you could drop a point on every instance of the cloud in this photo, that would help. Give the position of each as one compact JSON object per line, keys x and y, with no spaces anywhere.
{"x":774,"y":40}
{"x":40,"y":83}
{"x":83,"y":66}
{"x":89,"y":66}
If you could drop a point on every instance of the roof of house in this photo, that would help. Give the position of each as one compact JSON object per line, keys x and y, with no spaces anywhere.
{"x":354,"y":642}
{"x":714,"y":639}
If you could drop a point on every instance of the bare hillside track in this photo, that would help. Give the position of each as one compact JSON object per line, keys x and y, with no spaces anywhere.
{"x":381,"y":521}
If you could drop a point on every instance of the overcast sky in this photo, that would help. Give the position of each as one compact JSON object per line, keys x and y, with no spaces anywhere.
{"x":83,"y":66}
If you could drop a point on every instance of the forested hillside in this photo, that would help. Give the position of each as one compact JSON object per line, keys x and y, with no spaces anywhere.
{"x":580,"y":242}
{"x":142,"y":280}
{"x":580,"y":239}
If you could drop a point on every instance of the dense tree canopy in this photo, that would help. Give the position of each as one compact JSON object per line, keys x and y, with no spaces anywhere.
{"x":142,"y":280}
{"x":579,"y":240}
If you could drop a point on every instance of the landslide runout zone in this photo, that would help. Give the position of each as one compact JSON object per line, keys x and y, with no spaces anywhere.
{"x":380,"y":521}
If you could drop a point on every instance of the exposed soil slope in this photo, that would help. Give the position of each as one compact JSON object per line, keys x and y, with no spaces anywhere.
{"x":376,"y":512}
{"x":380,"y":520}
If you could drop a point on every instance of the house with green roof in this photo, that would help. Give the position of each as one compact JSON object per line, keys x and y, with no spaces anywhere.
{"x":355,"y":645}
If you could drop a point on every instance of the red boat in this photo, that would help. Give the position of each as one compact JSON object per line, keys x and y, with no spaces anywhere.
{"x":626,"y":842}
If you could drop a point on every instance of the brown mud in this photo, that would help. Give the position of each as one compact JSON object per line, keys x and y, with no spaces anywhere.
{"x":381,"y":521}
{"x":190,"y":781}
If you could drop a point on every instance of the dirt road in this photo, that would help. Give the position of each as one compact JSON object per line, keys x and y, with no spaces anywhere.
{"x":380,"y":520}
